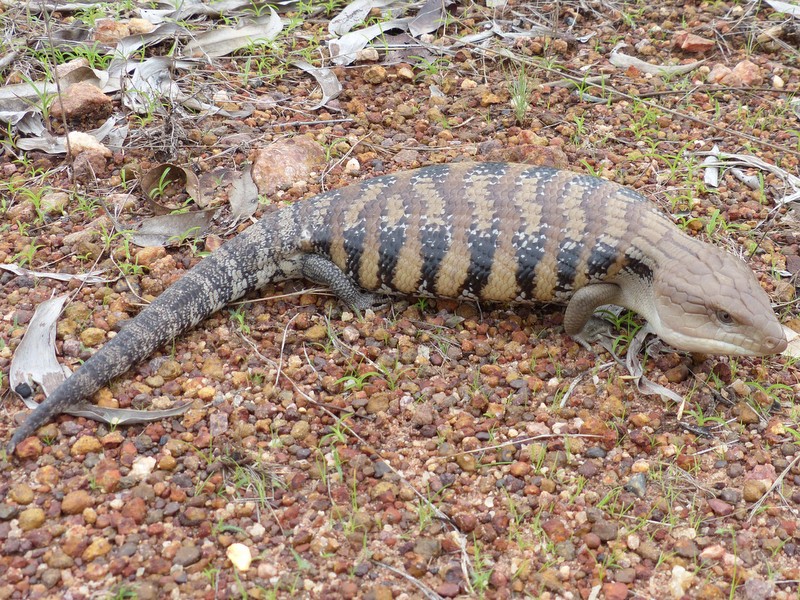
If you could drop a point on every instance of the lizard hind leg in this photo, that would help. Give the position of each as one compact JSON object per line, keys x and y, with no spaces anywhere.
{"x":321,"y":270}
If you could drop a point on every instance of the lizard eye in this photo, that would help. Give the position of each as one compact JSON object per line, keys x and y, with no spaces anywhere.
{"x":724,"y":317}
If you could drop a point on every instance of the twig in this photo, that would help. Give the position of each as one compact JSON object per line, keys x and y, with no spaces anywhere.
{"x":8,"y":59}
{"x":57,"y":80}
{"x":429,"y":593}
{"x":778,"y":481}
{"x":283,"y":345}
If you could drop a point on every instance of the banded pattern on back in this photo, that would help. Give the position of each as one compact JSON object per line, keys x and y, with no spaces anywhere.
{"x":485,"y":231}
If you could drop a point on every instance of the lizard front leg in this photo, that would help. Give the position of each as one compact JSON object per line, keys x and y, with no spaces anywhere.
{"x":579,"y":320}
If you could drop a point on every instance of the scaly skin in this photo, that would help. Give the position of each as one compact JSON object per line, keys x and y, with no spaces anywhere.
{"x":490,"y":232}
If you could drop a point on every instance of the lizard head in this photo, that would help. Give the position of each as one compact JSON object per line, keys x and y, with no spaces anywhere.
{"x":711,"y":302}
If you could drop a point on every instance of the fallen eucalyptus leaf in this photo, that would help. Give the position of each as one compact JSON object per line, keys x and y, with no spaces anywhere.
{"x":353,"y":14}
{"x":225,"y":40}
{"x":243,"y":196}
{"x":166,"y":230}
{"x":125,"y":74}
{"x":623,"y":61}
{"x":50,"y":144}
{"x":156,"y":16}
{"x":327,"y":80}
{"x":45,"y":142}
{"x":711,"y":170}
{"x":148,"y":83}
{"x":73,"y":35}
{"x":572,"y":84}
{"x":125,"y":416}
{"x":632,"y":363}
{"x":785,"y":7}
{"x":91,"y":277}
{"x":636,"y":370}
{"x":723,"y":159}
{"x":404,"y":48}
{"x":344,"y":50}
{"x":34,"y":361}
{"x":27,"y":122}
{"x":130,"y":44}
{"x":793,"y":349}
{"x":96,"y":77}
{"x":25,"y":96}
{"x":66,"y":6}
{"x":168,"y":180}
{"x":217,"y":177}
{"x":116,"y":137}
{"x":186,"y":9}
{"x":534,"y":31}
{"x":751,"y":181}
{"x":145,"y":84}
{"x":473,"y":39}
{"x":429,"y":18}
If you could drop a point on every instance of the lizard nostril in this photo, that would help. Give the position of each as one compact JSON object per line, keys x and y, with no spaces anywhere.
{"x":775,"y":345}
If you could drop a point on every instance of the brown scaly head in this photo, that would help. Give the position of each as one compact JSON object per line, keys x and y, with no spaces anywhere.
{"x":710,"y":301}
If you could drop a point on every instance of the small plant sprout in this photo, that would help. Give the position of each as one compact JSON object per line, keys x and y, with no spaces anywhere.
{"x":520,"y":89}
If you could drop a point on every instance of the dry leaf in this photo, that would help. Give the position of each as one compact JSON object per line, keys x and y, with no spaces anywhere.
{"x":91,"y":277}
{"x":35,"y":364}
{"x":623,"y":61}
{"x":225,"y":40}
{"x":243,"y":196}
{"x":793,"y":349}
{"x":785,"y":7}
{"x":34,"y":361}
{"x":172,"y":229}
{"x":344,"y":50}
{"x":354,"y":14}
{"x":58,"y":145}
{"x":711,"y":171}
{"x":168,"y":180}
{"x":327,"y":80}
{"x":429,"y":18}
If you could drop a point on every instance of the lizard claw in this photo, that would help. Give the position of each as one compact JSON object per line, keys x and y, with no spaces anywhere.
{"x":596,"y":330}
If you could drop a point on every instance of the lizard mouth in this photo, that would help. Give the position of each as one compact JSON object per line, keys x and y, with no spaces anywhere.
{"x":726,"y":343}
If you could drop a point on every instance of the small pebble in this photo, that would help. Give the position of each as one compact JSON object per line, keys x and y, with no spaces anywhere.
{"x":31,"y":518}
{"x":240,"y":556}
{"x":86,"y":444}
{"x":75,"y":502}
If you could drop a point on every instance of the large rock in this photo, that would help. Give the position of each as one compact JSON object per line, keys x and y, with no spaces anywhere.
{"x":82,"y":102}
{"x":286,"y":163}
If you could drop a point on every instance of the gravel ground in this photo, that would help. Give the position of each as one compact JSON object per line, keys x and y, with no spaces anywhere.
{"x":430,"y":449}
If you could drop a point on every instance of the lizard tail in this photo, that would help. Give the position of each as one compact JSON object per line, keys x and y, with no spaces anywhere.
{"x":235,"y":269}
